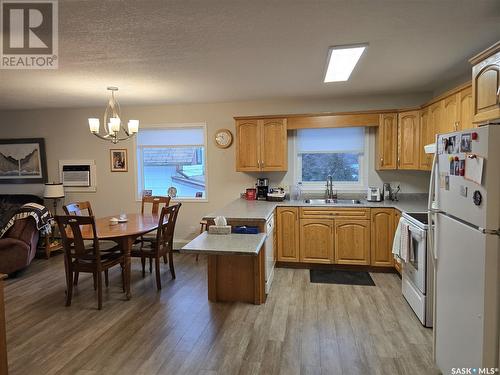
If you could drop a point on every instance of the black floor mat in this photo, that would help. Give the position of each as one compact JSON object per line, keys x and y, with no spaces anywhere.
{"x":341,"y":277}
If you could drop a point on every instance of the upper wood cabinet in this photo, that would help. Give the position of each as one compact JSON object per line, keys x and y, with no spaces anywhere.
{"x":287,"y":233}
{"x":427,"y":136}
{"x":408,"y":140}
{"x":436,"y":115}
{"x":274,"y":155}
{"x":248,"y":135}
{"x":486,"y":85}
{"x":457,"y":112}
{"x":465,"y":109}
{"x":352,"y":242}
{"x":382,"y":235}
{"x":387,"y":142}
{"x":316,"y":241}
{"x":261,"y":145}
{"x":449,"y":121}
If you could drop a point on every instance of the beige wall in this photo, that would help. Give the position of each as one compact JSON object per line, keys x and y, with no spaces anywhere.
{"x":67,"y":137}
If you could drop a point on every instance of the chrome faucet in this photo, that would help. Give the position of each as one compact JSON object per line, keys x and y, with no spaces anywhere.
{"x":329,"y":193}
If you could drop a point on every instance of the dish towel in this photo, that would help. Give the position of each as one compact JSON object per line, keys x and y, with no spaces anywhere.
{"x":405,"y":241}
{"x":396,"y":243}
{"x":401,"y":243}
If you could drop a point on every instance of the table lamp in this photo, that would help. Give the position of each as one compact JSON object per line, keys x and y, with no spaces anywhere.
{"x":55,"y":192}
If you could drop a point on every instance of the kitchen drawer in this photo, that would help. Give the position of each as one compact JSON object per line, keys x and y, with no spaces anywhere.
{"x":329,"y":213}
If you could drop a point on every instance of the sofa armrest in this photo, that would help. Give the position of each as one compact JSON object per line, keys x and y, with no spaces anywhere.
{"x":14,"y":255}
{"x":24,"y":230}
{"x":8,"y":243}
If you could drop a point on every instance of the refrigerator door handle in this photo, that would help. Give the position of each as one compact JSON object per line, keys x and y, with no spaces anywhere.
{"x":431,"y":210}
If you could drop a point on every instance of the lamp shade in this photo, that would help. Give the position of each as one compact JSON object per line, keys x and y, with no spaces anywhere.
{"x":133,"y":126}
{"x":94,"y":125}
{"x":53,"y":191}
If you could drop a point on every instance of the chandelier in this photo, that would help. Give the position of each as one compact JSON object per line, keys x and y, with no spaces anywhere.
{"x":115,"y":130}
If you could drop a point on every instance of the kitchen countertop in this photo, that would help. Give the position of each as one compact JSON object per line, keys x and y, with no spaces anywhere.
{"x":225,"y":244}
{"x":241,"y":209}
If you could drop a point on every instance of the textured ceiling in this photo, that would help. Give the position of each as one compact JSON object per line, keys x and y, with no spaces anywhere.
{"x":207,"y":51}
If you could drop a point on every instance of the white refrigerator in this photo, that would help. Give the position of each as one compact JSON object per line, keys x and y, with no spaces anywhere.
{"x":464,"y":205}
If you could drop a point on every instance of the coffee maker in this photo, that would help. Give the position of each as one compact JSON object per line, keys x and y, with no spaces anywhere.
{"x":262,"y":188}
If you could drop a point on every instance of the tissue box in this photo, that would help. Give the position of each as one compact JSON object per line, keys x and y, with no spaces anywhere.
{"x":219,"y":229}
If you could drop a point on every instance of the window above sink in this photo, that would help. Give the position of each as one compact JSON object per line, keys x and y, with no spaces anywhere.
{"x":339,"y":152}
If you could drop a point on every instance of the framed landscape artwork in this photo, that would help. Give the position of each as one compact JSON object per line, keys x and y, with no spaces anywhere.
{"x":119,"y":162}
{"x":23,"y":161}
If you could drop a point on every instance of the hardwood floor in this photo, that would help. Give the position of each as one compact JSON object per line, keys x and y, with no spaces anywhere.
{"x":303,"y":328}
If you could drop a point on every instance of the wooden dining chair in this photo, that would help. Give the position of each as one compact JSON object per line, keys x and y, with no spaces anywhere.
{"x":79,"y":257}
{"x":76,"y":208}
{"x":156,"y":201}
{"x":163,"y":244}
{"x":84,"y":208}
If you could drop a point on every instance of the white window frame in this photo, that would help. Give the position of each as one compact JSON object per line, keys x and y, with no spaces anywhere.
{"x":139,"y":181}
{"x":320,"y":186}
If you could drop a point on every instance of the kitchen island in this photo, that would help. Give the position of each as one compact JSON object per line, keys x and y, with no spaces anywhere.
{"x":235,"y":266}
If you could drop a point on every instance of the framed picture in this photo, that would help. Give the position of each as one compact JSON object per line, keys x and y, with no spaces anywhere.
{"x":118,"y":160}
{"x":23,"y":161}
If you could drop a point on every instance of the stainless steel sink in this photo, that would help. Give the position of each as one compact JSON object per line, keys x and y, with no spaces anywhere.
{"x":331,"y":201}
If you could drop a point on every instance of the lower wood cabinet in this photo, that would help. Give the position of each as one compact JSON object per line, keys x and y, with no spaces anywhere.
{"x":352,"y":242}
{"x":336,"y":235}
{"x":382,"y":235}
{"x":287,"y":233}
{"x":316,"y":241}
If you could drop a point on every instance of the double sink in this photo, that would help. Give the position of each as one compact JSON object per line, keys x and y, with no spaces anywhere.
{"x":332,"y":201}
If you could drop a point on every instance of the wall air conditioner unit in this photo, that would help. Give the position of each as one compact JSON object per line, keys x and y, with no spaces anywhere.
{"x":78,"y":175}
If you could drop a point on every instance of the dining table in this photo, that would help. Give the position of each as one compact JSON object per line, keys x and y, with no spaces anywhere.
{"x":124,"y":234}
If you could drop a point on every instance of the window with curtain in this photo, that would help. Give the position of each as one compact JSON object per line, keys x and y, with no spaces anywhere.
{"x":172,"y":158}
{"x":336,"y":152}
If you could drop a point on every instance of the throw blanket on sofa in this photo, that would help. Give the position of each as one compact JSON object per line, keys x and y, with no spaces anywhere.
{"x":40,"y":213}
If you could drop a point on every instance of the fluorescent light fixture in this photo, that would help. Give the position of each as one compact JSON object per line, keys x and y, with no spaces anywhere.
{"x":342,"y":60}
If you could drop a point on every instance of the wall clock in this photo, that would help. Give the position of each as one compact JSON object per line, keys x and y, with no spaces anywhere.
{"x":223,"y":138}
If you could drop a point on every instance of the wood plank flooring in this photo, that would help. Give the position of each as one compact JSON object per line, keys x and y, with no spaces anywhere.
{"x":303,"y":328}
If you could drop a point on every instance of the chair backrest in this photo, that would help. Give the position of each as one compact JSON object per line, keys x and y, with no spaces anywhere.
{"x":155,"y":201}
{"x":77,"y":208}
{"x":71,"y":234}
{"x":165,"y":232}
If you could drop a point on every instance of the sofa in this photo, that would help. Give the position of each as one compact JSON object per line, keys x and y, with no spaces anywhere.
{"x":18,"y":246}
